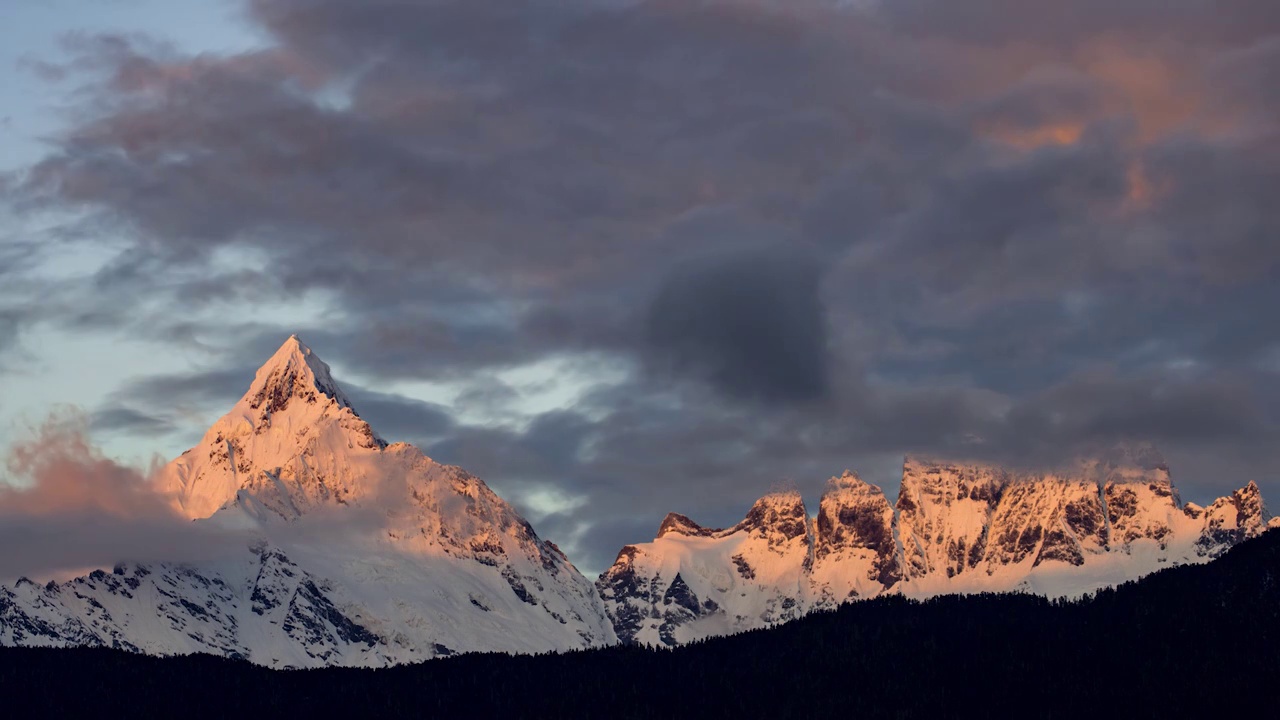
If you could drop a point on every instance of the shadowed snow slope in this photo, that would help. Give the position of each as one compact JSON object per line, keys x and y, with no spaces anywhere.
{"x":352,"y":551}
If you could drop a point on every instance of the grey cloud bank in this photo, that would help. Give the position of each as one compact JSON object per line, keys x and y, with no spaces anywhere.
{"x":815,"y":237}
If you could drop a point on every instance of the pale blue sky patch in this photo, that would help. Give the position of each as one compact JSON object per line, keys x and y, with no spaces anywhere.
{"x":32,"y":32}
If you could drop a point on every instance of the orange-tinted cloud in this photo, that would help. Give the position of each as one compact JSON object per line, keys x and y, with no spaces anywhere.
{"x":1163,"y":88}
{"x":1156,"y":88}
{"x":1142,"y":188}
{"x":69,"y":509}
{"x":1065,"y":133}
{"x":59,"y":471}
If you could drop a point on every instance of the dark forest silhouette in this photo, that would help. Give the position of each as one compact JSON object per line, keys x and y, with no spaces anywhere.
{"x":1188,"y":641}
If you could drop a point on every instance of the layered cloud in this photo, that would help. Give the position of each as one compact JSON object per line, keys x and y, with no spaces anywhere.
{"x":65,"y":508}
{"x":811,"y":234}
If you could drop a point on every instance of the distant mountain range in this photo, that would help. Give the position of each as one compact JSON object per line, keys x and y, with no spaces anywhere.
{"x":954,"y":528}
{"x":353,"y":551}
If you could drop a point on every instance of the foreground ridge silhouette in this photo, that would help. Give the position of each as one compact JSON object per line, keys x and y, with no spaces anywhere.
{"x":1190,"y":639}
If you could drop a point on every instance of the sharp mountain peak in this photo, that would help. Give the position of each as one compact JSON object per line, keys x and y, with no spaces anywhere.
{"x":294,"y":370}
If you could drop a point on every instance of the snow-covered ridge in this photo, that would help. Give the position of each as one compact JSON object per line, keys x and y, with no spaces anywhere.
{"x":347,"y":550}
{"x":956,"y":527}
{"x":353,"y":551}
{"x":692,"y":582}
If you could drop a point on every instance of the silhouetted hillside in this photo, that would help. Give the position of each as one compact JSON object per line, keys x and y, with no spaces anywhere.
{"x":1197,"y":640}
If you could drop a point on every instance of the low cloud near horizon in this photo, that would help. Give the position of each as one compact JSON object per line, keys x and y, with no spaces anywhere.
{"x":67,"y":508}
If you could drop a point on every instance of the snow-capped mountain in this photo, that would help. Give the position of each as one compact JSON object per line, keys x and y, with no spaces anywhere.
{"x":353,"y":551}
{"x":954,"y":528}
{"x":342,"y":549}
{"x":717,"y":581}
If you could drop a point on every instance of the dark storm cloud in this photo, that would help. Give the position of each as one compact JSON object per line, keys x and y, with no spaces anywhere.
{"x":197,"y":388}
{"x":1227,"y":194}
{"x":544,"y":453}
{"x":1044,"y":96}
{"x":1100,"y":406}
{"x":1248,"y":78}
{"x":1004,"y":230}
{"x":993,"y":228}
{"x":397,"y":417}
{"x":1049,"y":22}
{"x":752,"y":325}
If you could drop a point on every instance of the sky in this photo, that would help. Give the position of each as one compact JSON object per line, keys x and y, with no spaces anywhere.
{"x":626,"y":257}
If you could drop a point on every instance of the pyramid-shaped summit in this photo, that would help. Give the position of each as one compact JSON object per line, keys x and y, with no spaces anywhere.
{"x":292,"y":441}
{"x":293,"y":372}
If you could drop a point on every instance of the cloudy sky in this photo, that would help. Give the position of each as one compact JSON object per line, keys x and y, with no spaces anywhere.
{"x":622,"y":257}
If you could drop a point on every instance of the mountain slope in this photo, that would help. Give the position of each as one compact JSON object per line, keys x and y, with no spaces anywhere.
{"x":956,"y":528}
{"x":692,"y":582}
{"x":351,"y":551}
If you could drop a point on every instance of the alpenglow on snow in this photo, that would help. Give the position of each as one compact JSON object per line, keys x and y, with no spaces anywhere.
{"x":955,"y":528}
{"x":342,"y":549}
{"x":353,"y":551}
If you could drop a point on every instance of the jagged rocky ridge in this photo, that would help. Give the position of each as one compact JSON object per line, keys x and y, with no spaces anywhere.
{"x":343,"y":550}
{"x":954,"y":528}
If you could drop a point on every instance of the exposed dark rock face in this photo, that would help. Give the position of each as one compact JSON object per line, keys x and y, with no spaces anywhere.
{"x":631,"y":598}
{"x":1122,"y":504}
{"x":1231,"y":520}
{"x":681,"y":607}
{"x":1058,"y":545}
{"x":680,"y":594}
{"x":779,"y":518}
{"x":855,"y":520}
{"x":641,"y":599}
{"x":1084,"y":518}
{"x":944,"y":512}
{"x":677,"y":523}
{"x":279,"y":389}
{"x":315,"y":622}
{"x":518,"y":587}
